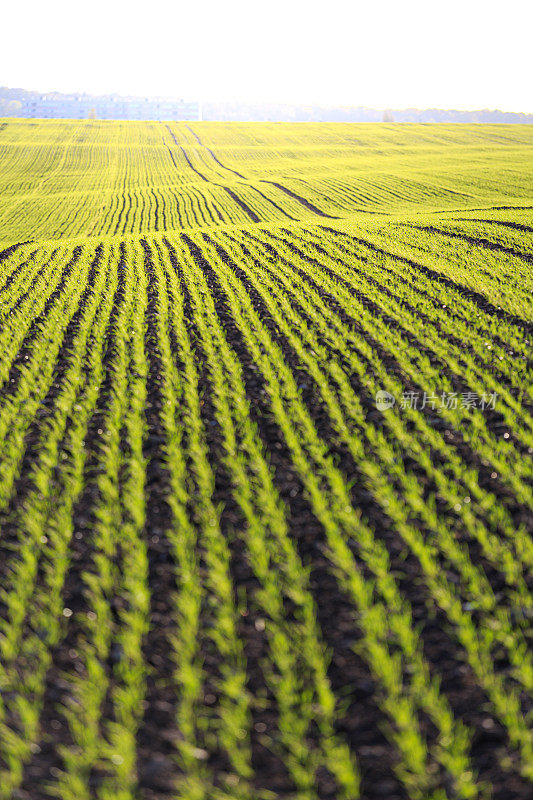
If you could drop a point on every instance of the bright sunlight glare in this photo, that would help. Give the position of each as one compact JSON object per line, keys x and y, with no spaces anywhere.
{"x":462,"y":55}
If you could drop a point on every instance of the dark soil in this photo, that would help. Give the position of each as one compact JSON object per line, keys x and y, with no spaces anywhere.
{"x":157,"y":735}
{"x":521,"y":514}
{"x":349,"y":675}
{"x":305,"y":203}
{"x":246,"y":208}
{"x":478,"y":241}
{"x":517,"y":226}
{"x":443,"y":653}
{"x":361,"y":721}
{"x":12,"y":249}
{"x":479,"y":299}
{"x":41,"y":770}
{"x":46,"y":410}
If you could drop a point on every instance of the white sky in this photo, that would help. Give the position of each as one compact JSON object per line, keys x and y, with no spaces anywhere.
{"x":462,"y":54}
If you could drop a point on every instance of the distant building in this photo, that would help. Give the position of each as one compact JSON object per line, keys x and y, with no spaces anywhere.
{"x":56,"y":106}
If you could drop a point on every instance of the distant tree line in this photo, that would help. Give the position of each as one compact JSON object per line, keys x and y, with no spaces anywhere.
{"x":14,"y":102}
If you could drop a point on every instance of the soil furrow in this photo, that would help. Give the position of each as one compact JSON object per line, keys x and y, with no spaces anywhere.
{"x":220,"y":164}
{"x":349,"y":675}
{"x":247,"y":210}
{"x":187,"y":159}
{"x":32,"y":439}
{"x":65,"y":660}
{"x":487,"y":481}
{"x":269,"y":769}
{"x":305,"y":203}
{"x":496,"y":579}
{"x":12,"y":249}
{"x":272,"y":203}
{"x":517,"y":226}
{"x":156,"y":738}
{"x":478,"y":241}
{"x":443,"y":653}
{"x":480,"y":300}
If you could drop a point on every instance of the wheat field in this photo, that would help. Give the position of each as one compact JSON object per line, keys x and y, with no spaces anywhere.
{"x":266,"y":429}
